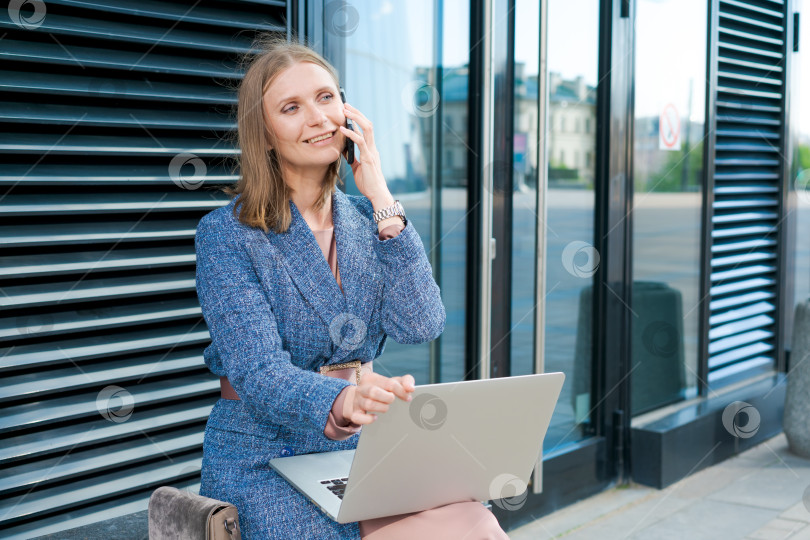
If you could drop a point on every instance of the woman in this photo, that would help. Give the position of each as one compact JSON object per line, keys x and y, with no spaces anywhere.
{"x":294,"y":275}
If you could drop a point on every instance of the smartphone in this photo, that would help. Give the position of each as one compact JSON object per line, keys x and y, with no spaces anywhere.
{"x":349,"y":149}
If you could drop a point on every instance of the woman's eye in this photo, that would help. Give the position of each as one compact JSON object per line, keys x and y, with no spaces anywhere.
{"x":327,"y":96}
{"x":290,"y":108}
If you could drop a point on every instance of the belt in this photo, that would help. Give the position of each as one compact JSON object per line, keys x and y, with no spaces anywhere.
{"x":349,"y":371}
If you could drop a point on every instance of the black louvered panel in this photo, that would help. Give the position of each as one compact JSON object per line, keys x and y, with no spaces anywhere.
{"x":748,"y":167}
{"x":116,"y":124}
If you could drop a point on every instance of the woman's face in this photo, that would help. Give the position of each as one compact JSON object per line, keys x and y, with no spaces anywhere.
{"x":302,"y":107}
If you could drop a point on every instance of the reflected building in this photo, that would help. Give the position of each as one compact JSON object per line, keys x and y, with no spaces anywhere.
{"x":454,"y":91}
{"x":572,"y":123}
{"x":525,"y":139}
{"x":454,"y":98}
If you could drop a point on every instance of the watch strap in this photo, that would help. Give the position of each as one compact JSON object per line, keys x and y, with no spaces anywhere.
{"x":390,"y":211}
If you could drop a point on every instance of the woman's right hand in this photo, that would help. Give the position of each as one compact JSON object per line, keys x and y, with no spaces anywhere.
{"x":374,"y":394}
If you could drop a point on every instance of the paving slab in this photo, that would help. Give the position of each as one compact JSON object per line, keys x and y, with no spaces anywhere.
{"x":713,"y":479}
{"x":582,"y":512}
{"x":777,"y":529}
{"x":707,"y":520}
{"x":633,"y":521}
{"x":756,"y":496}
{"x":786,"y":459}
{"x":797,"y":512}
{"x":763,"y":453}
{"x":802,"y":534}
{"x":776,"y":488}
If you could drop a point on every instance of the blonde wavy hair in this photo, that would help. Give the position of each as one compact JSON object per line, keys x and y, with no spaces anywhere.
{"x":264,"y":201}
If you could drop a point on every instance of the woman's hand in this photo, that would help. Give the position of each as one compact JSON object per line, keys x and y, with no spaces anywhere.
{"x":374,"y":394}
{"x":366,"y":167}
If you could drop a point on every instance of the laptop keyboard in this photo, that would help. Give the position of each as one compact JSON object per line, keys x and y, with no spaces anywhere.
{"x":337,"y":486}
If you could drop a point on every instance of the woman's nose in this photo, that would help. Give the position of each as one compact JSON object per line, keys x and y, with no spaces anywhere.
{"x":315,"y":117}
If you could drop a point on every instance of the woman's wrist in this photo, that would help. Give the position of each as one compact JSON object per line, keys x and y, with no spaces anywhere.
{"x":381,"y":200}
{"x":348,"y":403}
{"x":395,"y":220}
{"x":384,"y":201}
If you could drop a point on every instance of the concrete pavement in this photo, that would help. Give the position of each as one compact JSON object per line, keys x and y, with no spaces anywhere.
{"x":763,"y":494}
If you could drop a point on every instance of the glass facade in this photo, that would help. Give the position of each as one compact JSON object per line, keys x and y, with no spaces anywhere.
{"x":571,"y":258}
{"x":406,"y":69}
{"x":670,"y":82}
{"x":525,"y":302}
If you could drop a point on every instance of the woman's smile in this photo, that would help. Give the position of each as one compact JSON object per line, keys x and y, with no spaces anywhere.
{"x":323,"y":139}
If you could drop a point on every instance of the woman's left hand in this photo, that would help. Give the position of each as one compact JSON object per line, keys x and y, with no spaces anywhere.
{"x":366,"y":167}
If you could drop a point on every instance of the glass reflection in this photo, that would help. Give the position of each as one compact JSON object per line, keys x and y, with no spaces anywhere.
{"x":524,"y":177}
{"x":571,"y":260}
{"x":414,"y":90}
{"x":667,"y":169}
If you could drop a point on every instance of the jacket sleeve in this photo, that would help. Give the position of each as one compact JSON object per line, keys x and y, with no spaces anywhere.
{"x":412,"y":309}
{"x":243,"y":329}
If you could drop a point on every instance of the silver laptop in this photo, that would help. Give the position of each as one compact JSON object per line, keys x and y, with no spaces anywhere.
{"x":470,"y":440}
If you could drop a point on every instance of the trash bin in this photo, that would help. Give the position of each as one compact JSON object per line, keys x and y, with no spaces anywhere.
{"x":657,"y":348}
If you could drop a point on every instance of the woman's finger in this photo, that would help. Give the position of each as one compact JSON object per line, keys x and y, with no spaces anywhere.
{"x":372,"y":378}
{"x":372,"y":386}
{"x":379,"y":394}
{"x":357,"y":114}
{"x":376,"y":392}
{"x":408,"y":382}
{"x":398,"y":390}
{"x":372,"y":405}
{"x":362,"y":418}
{"x":353,"y":135}
{"x":358,"y":139}
{"x":365,"y":124}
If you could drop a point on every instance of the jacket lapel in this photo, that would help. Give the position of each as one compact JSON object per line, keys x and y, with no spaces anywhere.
{"x":360,"y":277}
{"x":308,"y":268}
{"x":346,"y":312}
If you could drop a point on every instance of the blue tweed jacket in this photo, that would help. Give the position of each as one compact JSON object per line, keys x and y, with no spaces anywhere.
{"x":276,"y":313}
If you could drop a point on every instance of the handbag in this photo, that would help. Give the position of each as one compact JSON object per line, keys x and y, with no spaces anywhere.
{"x":174,"y":513}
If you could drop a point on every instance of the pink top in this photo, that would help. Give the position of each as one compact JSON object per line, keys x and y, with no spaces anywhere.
{"x":337,"y":427}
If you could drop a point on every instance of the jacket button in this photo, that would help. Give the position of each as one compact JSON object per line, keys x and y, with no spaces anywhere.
{"x":286,"y":451}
